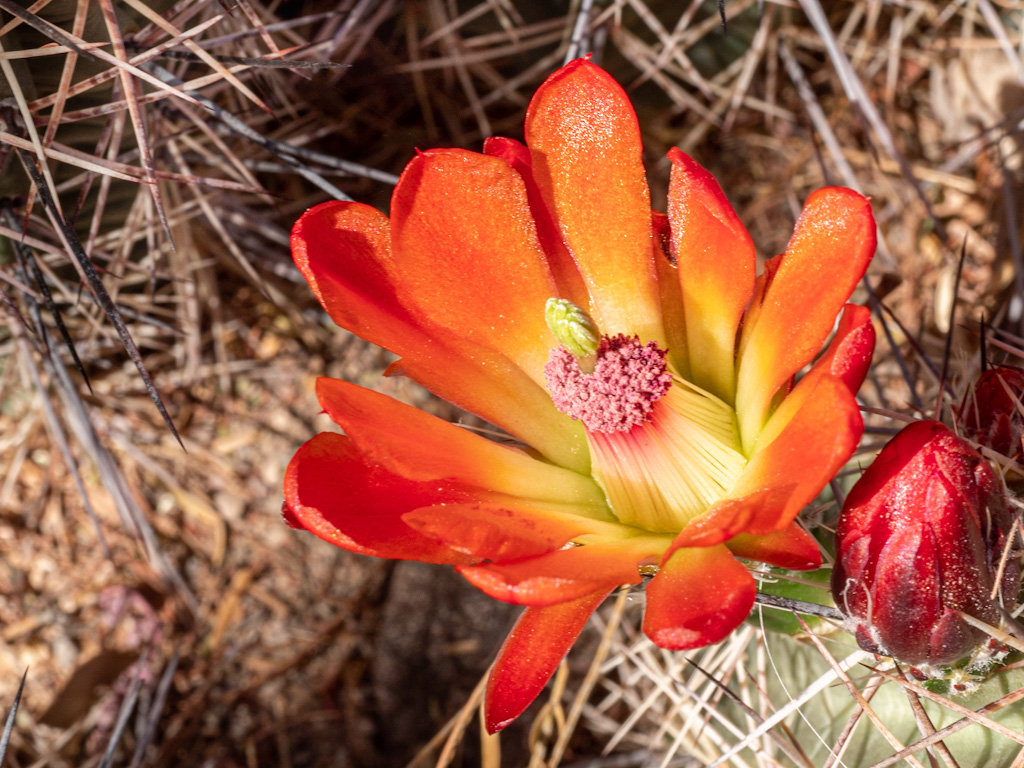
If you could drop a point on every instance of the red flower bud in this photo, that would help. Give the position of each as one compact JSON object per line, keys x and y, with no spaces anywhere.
{"x":991,"y":413}
{"x":919,"y":540}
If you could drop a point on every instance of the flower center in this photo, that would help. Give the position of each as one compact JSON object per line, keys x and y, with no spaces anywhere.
{"x":663,"y":449}
{"x":627,"y":380}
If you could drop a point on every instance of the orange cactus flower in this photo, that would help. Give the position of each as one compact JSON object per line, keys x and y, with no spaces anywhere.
{"x":643,"y":371}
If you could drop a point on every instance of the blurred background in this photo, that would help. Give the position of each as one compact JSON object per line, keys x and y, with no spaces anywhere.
{"x":158,"y":349}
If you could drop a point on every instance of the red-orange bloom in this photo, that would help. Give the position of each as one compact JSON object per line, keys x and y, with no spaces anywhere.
{"x":671,"y":439}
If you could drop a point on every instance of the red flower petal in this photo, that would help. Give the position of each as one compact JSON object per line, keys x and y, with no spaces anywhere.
{"x":731,"y":517}
{"x":830,"y":249}
{"x":792,"y":548}
{"x":716,"y":262}
{"x":343,"y":250}
{"x":587,"y":160}
{"x":671,"y":296}
{"x":465,"y":246}
{"x":332,"y":490}
{"x":768,"y":270}
{"x":498,"y":534}
{"x":531,"y":654}
{"x":849,"y":354}
{"x":814,"y":444}
{"x":567,"y":574}
{"x":698,"y":597}
{"x":421,"y":447}
{"x":563,"y":268}
{"x":354,"y":490}
{"x":847,"y":358}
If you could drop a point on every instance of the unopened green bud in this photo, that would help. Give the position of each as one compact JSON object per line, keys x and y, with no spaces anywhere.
{"x":572,"y":327}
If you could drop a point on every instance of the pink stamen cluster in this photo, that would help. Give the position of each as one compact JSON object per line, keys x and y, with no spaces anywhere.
{"x":628,"y":379}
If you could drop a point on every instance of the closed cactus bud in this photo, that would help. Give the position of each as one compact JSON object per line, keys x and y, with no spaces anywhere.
{"x":919,"y":540}
{"x":992,"y":413}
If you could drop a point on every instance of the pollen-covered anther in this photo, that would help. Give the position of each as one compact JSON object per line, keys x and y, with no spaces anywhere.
{"x":627,"y":380}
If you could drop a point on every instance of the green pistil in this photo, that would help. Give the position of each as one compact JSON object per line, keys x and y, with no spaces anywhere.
{"x":573,"y":328}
